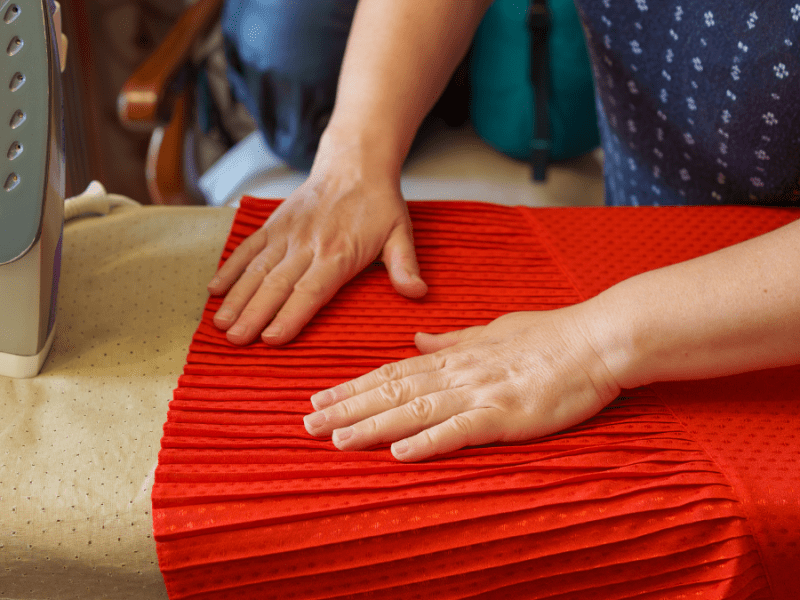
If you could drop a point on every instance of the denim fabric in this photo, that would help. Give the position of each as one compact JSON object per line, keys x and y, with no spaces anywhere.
{"x":284,"y":58}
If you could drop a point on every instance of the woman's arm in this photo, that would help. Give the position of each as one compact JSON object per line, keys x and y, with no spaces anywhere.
{"x":728,"y":312}
{"x":399,"y":57}
{"x":531,"y":374}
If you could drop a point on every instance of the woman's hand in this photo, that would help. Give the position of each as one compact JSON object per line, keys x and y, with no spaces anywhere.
{"x":345,"y":216}
{"x":522,"y":376}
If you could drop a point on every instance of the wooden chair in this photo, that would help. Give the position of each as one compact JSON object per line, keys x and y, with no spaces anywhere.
{"x":152,"y":99}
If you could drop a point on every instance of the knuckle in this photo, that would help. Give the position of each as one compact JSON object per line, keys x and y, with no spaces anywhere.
{"x":310,"y":287}
{"x":421,"y":409}
{"x":257,"y":265}
{"x":390,"y":371}
{"x":344,"y":262}
{"x":334,"y":246}
{"x":339,"y":413}
{"x":439,"y":360}
{"x":425,"y":439}
{"x":462,"y":425}
{"x":369,"y":428}
{"x":343,"y":255}
{"x":249,"y":315}
{"x":280,"y":281}
{"x":393,"y":391}
{"x":466,"y":368}
{"x":461,"y":360}
{"x":236,"y":298}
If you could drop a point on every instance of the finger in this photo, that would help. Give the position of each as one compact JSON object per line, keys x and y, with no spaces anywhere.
{"x":275,"y":288}
{"x":398,"y":423}
{"x":472,"y":428}
{"x":246,"y":287}
{"x":373,"y":379}
{"x":385,"y":397}
{"x":311,"y":292}
{"x":427,"y":343}
{"x":237,"y":262}
{"x":401,"y":263}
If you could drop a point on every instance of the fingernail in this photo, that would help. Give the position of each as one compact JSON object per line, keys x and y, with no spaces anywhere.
{"x":273,"y":331}
{"x":400,"y":447}
{"x":340,"y":435}
{"x":214,"y":282}
{"x":224,"y":314}
{"x":322,"y":399}
{"x":237,"y":330}
{"x":314,"y":420}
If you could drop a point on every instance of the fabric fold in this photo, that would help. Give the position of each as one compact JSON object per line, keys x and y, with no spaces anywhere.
{"x":246,"y":504}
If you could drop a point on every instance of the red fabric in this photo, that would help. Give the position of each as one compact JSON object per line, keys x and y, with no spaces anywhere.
{"x":674,"y":491}
{"x":749,"y":425}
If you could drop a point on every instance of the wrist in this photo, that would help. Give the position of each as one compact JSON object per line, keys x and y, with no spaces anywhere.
{"x":350,"y":166}
{"x":610,"y":329}
{"x":366,"y":147}
{"x":582,"y":339}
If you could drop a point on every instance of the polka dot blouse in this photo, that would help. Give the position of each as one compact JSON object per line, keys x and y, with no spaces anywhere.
{"x":699,"y":102}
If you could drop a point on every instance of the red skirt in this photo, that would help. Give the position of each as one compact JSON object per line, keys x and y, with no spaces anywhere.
{"x":686,"y":490}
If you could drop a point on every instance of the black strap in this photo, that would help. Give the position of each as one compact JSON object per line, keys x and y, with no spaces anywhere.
{"x":539,"y":26}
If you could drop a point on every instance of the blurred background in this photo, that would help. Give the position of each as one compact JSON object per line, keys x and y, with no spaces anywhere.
{"x":111,"y":41}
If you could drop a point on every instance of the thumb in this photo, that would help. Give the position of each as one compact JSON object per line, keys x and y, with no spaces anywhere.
{"x":401,"y":263}
{"x":427,"y":343}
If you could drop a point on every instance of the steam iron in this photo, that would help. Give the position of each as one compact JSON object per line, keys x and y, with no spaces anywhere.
{"x":31,"y":182}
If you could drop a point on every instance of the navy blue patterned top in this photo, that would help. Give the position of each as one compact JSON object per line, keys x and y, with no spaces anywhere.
{"x":699,"y":100}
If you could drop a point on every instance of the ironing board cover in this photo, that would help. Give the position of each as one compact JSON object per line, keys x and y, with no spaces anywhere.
{"x":683,"y":490}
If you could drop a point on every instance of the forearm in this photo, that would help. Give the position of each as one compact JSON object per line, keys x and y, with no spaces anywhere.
{"x":731,"y":311}
{"x":399,"y":58}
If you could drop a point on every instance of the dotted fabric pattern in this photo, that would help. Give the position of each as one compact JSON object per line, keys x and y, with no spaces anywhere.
{"x":247,"y":505}
{"x":598,"y":247}
{"x":749,"y":424}
{"x":755,"y":441}
{"x":79,"y":443}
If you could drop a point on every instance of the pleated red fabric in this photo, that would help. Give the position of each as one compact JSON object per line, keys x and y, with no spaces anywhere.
{"x":639,"y":501}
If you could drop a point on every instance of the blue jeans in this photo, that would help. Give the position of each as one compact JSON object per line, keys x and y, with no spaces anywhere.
{"x":284,"y":58}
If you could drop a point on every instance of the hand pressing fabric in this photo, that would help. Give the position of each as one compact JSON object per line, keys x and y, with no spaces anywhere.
{"x":350,"y":210}
{"x":522,"y":376}
{"x":338,"y":222}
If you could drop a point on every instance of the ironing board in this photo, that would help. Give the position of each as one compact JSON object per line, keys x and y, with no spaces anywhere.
{"x":674,"y":490}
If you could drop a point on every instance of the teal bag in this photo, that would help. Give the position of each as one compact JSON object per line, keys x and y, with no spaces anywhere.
{"x":503,"y":102}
